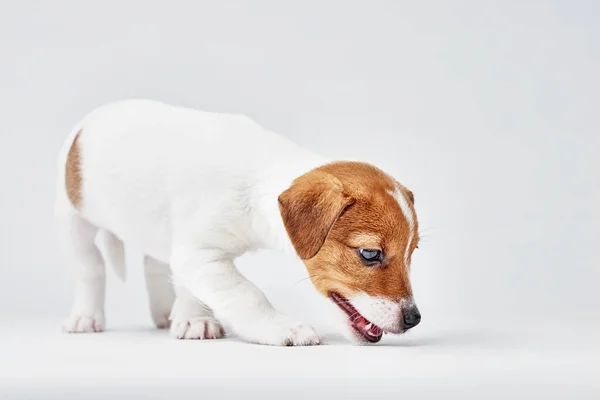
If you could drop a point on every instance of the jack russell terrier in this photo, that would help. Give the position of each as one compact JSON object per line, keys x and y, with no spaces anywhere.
{"x":194,"y":190}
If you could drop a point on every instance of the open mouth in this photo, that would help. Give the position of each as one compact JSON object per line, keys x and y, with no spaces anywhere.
{"x":365,"y":328}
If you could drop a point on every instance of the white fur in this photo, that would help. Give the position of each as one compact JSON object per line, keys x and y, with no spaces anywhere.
{"x":161,"y":295}
{"x":410,"y":219}
{"x":113,"y":251}
{"x":190,"y":189}
{"x":381,"y":311}
{"x":192,"y":319}
{"x":76,"y":237}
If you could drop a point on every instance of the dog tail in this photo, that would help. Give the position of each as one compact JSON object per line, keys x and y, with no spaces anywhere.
{"x":114,"y":252}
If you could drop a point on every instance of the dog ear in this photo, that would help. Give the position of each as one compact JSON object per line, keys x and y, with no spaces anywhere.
{"x":310,"y":207}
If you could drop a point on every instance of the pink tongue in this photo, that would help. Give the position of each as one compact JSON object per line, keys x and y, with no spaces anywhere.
{"x":360,"y":323}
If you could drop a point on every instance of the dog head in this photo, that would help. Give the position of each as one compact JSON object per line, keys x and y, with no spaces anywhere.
{"x":355,"y":228}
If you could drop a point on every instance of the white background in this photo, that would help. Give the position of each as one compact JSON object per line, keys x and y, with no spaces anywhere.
{"x":487,"y":110}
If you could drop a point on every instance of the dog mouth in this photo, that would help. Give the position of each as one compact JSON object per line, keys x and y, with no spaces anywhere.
{"x":362,"y":326}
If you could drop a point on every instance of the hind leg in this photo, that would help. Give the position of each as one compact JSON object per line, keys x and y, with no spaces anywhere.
{"x":76,"y":238}
{"x":191,"y":319}
{"x":160,"y":291}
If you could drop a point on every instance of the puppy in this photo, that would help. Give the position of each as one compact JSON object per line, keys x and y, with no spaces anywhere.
{"x":194,"y":190}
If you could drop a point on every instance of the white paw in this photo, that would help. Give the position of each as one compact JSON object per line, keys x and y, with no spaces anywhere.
{"x":197,"y":328}
{"x":302,"y":335}
{"x":282,"y":331}
{"x":77,"y":323}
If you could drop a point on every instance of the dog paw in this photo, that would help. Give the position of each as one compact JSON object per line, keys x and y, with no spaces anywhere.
{"x":197,"y":328}
{"x":77,"y":323}
{"x":281,"y":331}
{"x":302,"y":335}
{"x":161,"y":321}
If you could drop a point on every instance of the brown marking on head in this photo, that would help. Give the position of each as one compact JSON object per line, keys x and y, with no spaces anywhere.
{"x":73,"y":173}
{"x":309,"y":208}
{"x":336,"y":209}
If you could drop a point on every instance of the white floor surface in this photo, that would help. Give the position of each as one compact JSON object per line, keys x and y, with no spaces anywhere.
{"x":37,"y":361}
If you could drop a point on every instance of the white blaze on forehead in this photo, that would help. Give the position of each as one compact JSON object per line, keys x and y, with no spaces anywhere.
{"x":400,"y":197}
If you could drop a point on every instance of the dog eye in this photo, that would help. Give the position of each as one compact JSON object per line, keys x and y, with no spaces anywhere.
{"x":369,"y":256}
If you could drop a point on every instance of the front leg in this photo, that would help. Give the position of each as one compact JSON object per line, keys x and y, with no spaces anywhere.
{"x":213,"y":278}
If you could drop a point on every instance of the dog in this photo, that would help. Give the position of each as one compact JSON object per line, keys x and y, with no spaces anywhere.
{"x":194,"y":190}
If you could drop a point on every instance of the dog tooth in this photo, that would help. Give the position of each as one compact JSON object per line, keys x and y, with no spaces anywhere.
{"x":368,"y":326}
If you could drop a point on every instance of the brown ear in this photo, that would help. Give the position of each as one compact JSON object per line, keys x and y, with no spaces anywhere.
{"x":309,"y":209}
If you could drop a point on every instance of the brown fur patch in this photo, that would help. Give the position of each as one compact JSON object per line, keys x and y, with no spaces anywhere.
{"x":73,"y":173}
{"x":309,"y":209}
{"x":355,"y":202}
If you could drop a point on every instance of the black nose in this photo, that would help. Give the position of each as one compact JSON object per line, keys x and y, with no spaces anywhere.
{"x":412,"y":317}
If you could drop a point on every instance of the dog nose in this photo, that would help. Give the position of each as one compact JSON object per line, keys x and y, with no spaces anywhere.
{"x":412,"y":317}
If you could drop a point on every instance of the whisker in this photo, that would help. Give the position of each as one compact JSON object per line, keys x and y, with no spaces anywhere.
{"x":351,"y":316}
{"x":300,"y":281}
